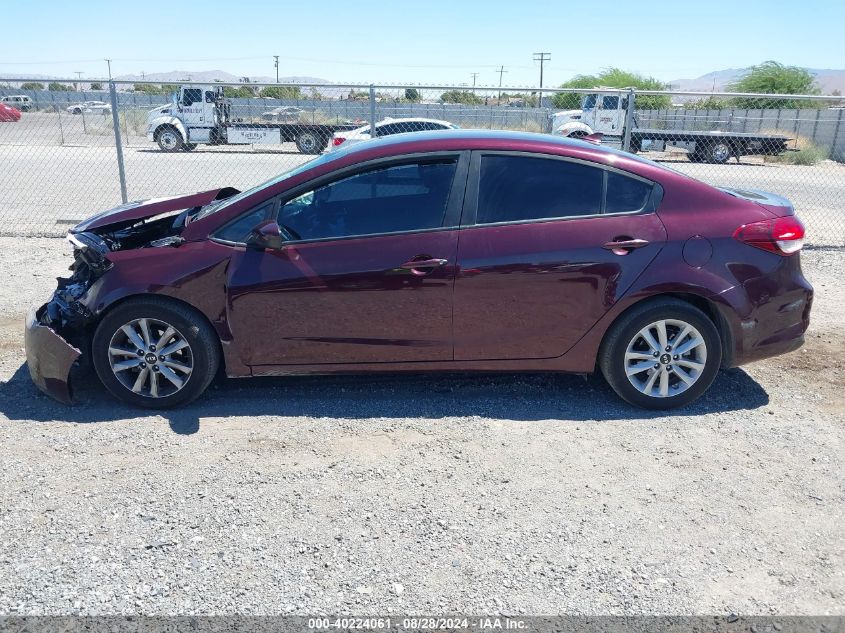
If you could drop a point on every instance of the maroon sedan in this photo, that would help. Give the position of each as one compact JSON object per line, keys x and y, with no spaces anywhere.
{"x":436,"y":251}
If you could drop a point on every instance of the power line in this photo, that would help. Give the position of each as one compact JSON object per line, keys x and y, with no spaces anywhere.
{"x":542,"y":58}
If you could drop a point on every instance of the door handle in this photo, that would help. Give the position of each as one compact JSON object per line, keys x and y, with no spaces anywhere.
{"x":624,"y":246}
{"x":423,"y":266}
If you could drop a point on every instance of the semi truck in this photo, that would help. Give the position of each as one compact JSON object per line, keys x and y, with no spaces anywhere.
{"x":202,"y":115}
{"x":604,"y":113}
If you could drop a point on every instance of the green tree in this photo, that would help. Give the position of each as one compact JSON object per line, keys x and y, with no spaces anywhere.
{"x":32,"y":85}
{"x":281,"y":92}
{"x":461,"y":96}
{"x":613,"y":78}
{"x":412,"y":94}
{"x":241,"y":92}
{"x":775,"y":78}
{"x":96,"y":86}
{"x":57,"y":87}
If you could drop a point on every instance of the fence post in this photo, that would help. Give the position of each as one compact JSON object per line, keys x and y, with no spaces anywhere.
{"x":373,"y":130}
{"x":118,"y":145}
{"x":629,"y":121}
{"x":834,"y":152}
{"x":61,"y":128}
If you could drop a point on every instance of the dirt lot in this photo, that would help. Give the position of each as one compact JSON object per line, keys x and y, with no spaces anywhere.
{"x":515,"y":494}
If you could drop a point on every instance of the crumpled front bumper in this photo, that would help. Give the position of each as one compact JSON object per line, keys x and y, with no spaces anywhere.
{"x":49,"y":358}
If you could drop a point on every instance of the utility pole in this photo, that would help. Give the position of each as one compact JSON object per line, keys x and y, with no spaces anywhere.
{"x":108,"y":61}
{"x":542,"y":58}
{"x":501,"y":71}
{"x":474,"y":75}
{"x":276,"y":63}
{"x":78,"y":74}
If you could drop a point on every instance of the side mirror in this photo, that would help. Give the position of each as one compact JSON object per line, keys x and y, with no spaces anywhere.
{"x":268,"y":234}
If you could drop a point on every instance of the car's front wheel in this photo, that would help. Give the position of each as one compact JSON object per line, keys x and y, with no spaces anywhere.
{"x":155,"y":353}
{"x":662,"y":354}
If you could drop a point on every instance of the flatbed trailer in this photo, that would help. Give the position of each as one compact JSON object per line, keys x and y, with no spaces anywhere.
{"x":714,"y":147}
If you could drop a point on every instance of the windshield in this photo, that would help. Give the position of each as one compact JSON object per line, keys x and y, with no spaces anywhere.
{"x":214,"y":207}
{"x":589,"y":102}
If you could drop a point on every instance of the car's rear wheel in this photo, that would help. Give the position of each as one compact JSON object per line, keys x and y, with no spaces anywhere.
{"x":661,"y":355}
{"x":155,"y":353}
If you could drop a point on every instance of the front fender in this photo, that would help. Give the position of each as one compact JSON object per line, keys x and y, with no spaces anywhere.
{"x":567,"y":129}
{"x":166,"y":120}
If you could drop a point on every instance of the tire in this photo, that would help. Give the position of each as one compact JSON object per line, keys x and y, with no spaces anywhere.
{"x":76,"y":111}
{"x":165,"y":384}
{"x":718,"y":152}
{"x":169,"y":139}
{"x":625,"y":349}
{"x":189,"y":147}
{"x":309,"y":142}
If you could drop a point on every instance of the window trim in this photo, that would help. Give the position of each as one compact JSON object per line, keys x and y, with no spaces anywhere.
{"x":470,"y":212}
{"x":451,"y":218}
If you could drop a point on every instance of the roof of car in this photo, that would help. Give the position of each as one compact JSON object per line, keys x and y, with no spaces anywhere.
{"x":502,"y":140}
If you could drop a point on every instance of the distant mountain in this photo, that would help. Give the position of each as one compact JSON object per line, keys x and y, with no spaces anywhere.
{"x":718,"y":81}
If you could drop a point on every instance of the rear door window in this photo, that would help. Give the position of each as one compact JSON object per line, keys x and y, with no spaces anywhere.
{"x":522,"y":188}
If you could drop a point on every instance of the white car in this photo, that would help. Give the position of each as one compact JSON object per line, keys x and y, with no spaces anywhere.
{"x":387,"y":127}
{"x":19,"y":102}
{"x":100,"y":107}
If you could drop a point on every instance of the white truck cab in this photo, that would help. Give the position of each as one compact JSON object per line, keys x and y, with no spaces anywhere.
{"x":189,"y":119}
{"x":602,"y":112}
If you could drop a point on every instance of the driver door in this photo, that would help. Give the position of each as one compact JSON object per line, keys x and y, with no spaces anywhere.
{"x":367,"y":277}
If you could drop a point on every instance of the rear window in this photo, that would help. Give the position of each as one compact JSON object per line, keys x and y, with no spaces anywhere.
{"x":626,"y":194}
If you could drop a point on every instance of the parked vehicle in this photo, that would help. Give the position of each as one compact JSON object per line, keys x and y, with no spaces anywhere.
{"x":19,"y":102}
{"x":99,"y":107}
{"x":388,"y":127}
{"x":604,"y":113}
{"x":435,"y":251}
{"x":202,"y":115}
{"x":9,"y":114}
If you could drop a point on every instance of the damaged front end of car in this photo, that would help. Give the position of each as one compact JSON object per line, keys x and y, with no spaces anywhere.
{"x":57,"y":333}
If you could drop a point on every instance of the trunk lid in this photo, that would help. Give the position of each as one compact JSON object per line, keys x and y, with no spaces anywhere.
{"x":776,"y":205}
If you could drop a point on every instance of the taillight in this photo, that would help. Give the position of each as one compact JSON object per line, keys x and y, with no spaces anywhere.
{"x":783,"y":236}
{"x":337,"y":140}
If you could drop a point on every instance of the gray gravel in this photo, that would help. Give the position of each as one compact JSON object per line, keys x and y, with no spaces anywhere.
{"x":523,"y":494}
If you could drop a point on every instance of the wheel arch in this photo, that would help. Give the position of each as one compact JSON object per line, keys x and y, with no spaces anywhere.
{"x":158,"y":298}
{"x":712,"y":309}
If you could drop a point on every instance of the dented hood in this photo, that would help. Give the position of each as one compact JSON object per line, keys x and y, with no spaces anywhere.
{"x":131,"y":212}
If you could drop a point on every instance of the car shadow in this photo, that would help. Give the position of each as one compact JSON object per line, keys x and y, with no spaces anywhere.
{"x":521,"y":397}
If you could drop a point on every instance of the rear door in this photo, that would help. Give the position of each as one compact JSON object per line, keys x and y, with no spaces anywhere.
{"x":537,"y":265}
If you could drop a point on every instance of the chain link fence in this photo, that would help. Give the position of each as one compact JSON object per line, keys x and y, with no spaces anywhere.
{"x":72,"y":153}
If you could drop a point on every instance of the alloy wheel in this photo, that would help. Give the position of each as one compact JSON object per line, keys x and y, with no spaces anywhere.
{"x":665,"y":358}
{"x":151,"y":358}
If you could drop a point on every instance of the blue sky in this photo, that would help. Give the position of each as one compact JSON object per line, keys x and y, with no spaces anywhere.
{"x":430,"y":41}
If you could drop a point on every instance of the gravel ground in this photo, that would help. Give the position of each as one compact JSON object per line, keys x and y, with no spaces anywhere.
{"x":517,"y":494}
